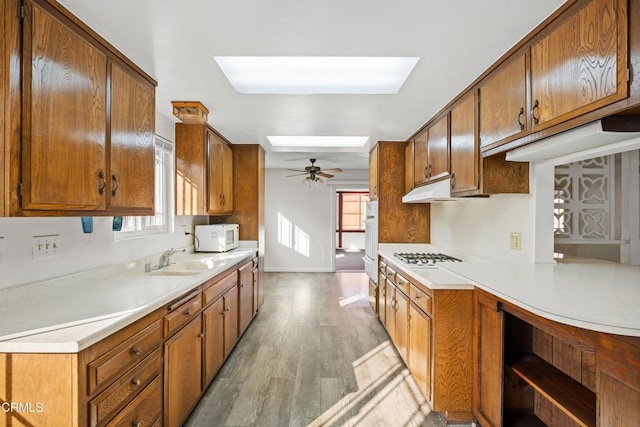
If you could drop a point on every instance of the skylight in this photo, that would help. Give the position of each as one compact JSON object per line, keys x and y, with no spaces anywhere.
{"x":318,"y":141}
{"x":300,"y":75}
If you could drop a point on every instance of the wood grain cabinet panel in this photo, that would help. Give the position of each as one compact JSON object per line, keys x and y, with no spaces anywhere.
{"x":132,"y":142}
{"x":465,"y":149}
{"x":245,"y":289}
{"x":503,"y":103}
{"x":581,"y":65}
{"x":438,"y":149}
{"x":219,"y":175}
{"x":230,"y":320}
{"x":182,"y":372}
{"x":373,"y":174}
{"x":420,"y":350}
{"x":213,"y":326}
{"x":144,"y":410}
{"x":64,"y":116}
{"x":420,"y":158}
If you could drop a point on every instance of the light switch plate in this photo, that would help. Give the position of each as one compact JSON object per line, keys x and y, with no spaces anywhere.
{"x":515,"y":241}
{"x":44,"y":246}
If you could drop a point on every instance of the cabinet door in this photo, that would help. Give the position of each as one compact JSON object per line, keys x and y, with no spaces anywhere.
{"x":214,"y":171}
{"x":227,"y":178}
{"x":213,"y":325}
{"x":503,"y":101}
{"x":488,"y":328}
{"x":420,"y":350}
{"x":256,"y":289}
{"x":191,"y":169}
{"x":183,"y":372}
{"x":132,"y":170}
{"x":402,"y":324}
{"x":373,"y":295}
{"x":438,"y":149}
{"x":408,"y":167}
{"x":382,"y":298}
{"x":465,"y":151}
{"x":230,"y":319}
{"x":390,"y":312}
{"x":581,"y":65}
{"x":64,"y":116}
{"x":246,"y":295}
{"x":420,"y":159}
{"x":373,"y":174}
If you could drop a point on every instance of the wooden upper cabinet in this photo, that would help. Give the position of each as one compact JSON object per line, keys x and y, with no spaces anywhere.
{"x":373,"y":174}
{"x":204,"y":171}
{"x":465,"y":150}
{"x":409,"y":168}
{"x":219,"y":174}
{"x":191,"y":169}
{"x":431,"y":153}
{"x":581,"y":65}
{"x":132,"y":142}
{"x":503,"y":102}
{"x":88,"y":123}
{"x":438,"y":149}
{"x":64,"y":116}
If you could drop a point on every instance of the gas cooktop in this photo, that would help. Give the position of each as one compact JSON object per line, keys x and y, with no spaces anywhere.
{"x":423,"y":259}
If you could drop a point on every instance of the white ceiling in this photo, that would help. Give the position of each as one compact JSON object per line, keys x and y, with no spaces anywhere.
{"x":175,"y":41}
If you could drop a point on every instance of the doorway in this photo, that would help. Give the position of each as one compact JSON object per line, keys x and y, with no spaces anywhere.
{"x":350,"y":238}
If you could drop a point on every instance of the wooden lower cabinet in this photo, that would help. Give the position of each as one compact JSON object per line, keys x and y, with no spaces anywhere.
{"x":433,"y":332}
{"x":246,"y":293}
{"x":488,"y":366}
{"x":420,"y":350}
{"x":182,"y":372}
{"x":144,"y":410}
{"x":534,"y":371}
{"x":213,"y":328}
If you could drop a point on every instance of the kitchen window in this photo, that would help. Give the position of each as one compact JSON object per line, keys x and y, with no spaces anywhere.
{"x":162,"y":221}
{"x":352,"y":211}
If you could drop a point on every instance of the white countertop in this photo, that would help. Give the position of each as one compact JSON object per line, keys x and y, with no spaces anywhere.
{"x":596,"y":295}
{"x":68,"y":314}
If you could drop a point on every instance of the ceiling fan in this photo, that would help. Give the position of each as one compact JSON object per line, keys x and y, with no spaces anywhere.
{"x":314,"y":173}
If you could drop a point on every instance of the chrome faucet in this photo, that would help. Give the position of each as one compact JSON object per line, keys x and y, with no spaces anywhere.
{"x":165,"y":258}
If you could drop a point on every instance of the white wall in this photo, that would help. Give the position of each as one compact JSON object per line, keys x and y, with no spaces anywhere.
{"x":79,"y":251}
{"x":352,"y":240}
{"x":309,"y":213}
{"x":481,"y":226}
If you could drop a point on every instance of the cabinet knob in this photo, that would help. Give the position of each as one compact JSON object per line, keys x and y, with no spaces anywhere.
{"x":187,"y":313}
{"x":135,"y":351}
{"x":103,"y":185}
{"x":116,"y":185}
{"x":135,"y":381}
{"x":520,"y":116}
{"x":534,"y":110}
{"x":201,"y":334}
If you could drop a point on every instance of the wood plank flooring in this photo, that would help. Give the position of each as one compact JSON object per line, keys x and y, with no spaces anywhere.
{"x":316,"y":355}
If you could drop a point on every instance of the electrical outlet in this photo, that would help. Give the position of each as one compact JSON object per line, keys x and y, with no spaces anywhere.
{"x":515,"y":241}
{"x":44,"y":246}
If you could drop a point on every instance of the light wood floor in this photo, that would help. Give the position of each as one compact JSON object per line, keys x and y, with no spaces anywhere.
{"x":316,"y":355}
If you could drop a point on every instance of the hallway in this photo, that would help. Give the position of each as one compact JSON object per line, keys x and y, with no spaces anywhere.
{"x":316,"y":355}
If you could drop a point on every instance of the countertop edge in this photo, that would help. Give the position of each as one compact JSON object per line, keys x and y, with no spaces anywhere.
{"x":92,"y":332}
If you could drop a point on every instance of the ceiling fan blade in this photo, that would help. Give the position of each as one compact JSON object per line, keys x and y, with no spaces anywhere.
{"x":332,"y":170}
{"x":297,"y":174}
{"x":324,"y":175}
{"x":297,"y":170}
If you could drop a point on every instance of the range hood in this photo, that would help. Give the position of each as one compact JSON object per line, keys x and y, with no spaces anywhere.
{"x":437,"y":192}
{"x":609,"y":135}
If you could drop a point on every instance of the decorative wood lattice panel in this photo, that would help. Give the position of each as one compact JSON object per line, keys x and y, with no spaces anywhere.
{"x":583,"y":200}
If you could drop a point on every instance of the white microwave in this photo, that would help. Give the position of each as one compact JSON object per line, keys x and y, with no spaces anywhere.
{"x":217,"y":237}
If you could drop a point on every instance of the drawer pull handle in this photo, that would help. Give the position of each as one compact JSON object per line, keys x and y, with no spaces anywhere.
{"x":135,"y":382}
{"x":135,"y":351}
{"x":417,"y":296}
{"x":187,"y":312}
{"x":520,"y":116}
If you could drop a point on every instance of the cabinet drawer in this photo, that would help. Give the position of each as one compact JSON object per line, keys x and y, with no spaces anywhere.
{"x":123,"y":356}
{"x":129,"y":384}
{"x":182,"y":314}
{"x":402,"y":283}
{"x":144,"y":410}
{"x":420,"y":298}
{"x":391,"y":274}
{"x":216,"y":290}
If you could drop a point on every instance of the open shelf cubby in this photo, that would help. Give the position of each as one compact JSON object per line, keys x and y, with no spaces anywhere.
{"x":531,"y":374}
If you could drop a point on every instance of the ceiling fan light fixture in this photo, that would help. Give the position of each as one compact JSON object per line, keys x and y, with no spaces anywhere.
{"x":307,"y":181}
{"x":319,"y":182}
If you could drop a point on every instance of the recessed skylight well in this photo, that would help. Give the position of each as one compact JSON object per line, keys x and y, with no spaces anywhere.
{"x":318,"y":141}
{"x":300,"y":75}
